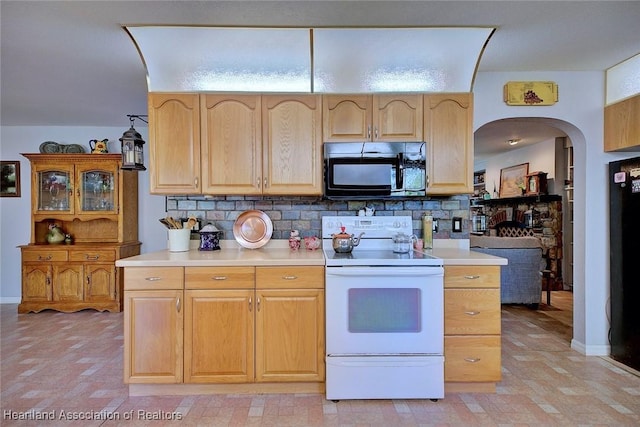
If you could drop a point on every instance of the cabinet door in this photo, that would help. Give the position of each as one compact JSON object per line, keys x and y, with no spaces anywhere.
{"x":96,"y":189}
{"x":472,"y":358}
{"x":292,"y":138}
{"x":100,"y":282}
{"x":231,"y":144}
{"x":52,"y":186}
{"x":68,"y":283}
{"x":36,"y":282}
{"x":398,"y":117}
{"x":153,"y":322}
{"x":289,"y":335}
{"x":174,"y":143}
{"x":622,"y":125}
{"x":448,"y":132}
{"x":219,"y":336}
{"x":346,"y":118}
{"x":471,"y":311}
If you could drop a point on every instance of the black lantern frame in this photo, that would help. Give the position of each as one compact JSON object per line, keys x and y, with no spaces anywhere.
{"x":131,"y":146}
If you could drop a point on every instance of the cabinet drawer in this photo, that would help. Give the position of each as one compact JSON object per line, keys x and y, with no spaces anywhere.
{"x":44,"y":255}
{"x":471,"y":311}
{"x":152,"y":278}
{"x":472,"y":359}
{"x":219,"y":277}
{"x":309,"y":277}
{"x":95,"y":256}
{"x":472,"y":276}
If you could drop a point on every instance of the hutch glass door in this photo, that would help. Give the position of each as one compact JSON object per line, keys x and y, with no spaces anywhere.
{"x":97,"y":190}
{"x":54,"y":190}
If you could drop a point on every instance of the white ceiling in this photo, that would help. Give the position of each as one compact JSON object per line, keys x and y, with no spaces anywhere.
{"x":70,"y":63}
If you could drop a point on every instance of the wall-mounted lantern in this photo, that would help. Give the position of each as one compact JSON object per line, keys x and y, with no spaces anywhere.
{"x":131,"y":146}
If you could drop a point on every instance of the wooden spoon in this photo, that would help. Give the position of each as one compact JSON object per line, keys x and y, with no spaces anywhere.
{"x":173,"y":222}
{"x":191,"y":222}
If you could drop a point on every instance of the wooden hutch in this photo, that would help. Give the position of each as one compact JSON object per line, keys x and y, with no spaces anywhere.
{"x":95,"y":203}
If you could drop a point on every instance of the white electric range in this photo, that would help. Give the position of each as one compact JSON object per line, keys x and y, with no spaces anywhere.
{"x":384,"y":314}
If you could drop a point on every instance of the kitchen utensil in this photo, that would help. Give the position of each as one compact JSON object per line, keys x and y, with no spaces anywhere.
{"x":343,"y":242}
{"x":166,"y":223}
{"x":191,"y":222}
{"x":253,"y":229}
{"x":174,"y":223}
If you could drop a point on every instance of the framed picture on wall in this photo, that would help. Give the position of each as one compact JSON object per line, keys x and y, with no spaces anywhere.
{"x":512,"y":180}
{"x":9,"y":178}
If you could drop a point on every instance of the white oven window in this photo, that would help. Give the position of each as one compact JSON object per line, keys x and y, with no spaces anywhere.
{"x":384,"y":310}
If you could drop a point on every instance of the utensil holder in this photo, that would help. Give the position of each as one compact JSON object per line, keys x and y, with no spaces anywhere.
{"x":179,"y":240}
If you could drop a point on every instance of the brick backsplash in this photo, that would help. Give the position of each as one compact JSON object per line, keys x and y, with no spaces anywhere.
{"x":305,"y":213}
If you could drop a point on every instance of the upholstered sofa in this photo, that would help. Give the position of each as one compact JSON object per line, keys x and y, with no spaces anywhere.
{"x":521,"y":281}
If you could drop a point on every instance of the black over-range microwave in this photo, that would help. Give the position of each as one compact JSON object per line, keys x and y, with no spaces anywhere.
{"x":355,"y":170}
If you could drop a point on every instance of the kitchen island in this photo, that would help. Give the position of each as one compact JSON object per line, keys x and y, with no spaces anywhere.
{"x":252,"y":321}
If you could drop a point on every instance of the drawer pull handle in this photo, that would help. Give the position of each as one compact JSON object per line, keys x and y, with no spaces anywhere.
{"x":471,"y":277}
{"x":471,"y":313}
{"x":178,"y":305}
{"x":92,"y":257}
{"x":250,"y":305}
{"x":44,"y":258}
{"x":472,"y":359}
{"x":153,"y":278}
{"x":219,"y":278}
{"x":289,"y":277}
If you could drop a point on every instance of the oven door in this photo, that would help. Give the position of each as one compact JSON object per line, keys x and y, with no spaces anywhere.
{"x":384,"y":310}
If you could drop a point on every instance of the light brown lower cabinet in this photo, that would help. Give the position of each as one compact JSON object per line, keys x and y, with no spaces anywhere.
{"x":72,"y":278}
{"x":235,"y":325}
{"x":472,"y":347}
{"x":153,"y":325}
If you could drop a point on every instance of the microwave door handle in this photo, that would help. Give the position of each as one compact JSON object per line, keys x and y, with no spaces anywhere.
{"x":400,"y":172}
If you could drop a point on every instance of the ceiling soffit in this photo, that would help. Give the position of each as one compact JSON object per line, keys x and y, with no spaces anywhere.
{"x":323,"y":60}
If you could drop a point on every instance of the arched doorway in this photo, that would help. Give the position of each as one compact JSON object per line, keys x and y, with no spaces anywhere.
{"x":545,"y":139}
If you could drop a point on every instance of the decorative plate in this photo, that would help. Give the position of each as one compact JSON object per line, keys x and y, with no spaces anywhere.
{"x":49,"y":147}
{"x":73,"y":149}
{"x":253,"y":229}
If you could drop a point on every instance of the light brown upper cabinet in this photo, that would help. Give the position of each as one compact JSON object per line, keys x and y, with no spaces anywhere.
{"x":622,"y":125}
{"x":247,"y":144}
{"x":174,"y":143}
{"x":393,"y":117}
{"x":232,"y":144}
{"x":292,"y":144}
{"x":449,"y":135}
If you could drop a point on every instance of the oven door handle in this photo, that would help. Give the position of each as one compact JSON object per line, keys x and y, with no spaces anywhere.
{"x":391,"y":271}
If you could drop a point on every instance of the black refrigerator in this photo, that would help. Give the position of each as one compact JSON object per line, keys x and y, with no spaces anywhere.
{"x":624,"y":210}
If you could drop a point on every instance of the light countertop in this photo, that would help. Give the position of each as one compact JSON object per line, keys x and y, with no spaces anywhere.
{"x":277,"y":253}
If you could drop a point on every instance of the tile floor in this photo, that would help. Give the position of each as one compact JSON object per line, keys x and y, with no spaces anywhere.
{"x":64,"y":366}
